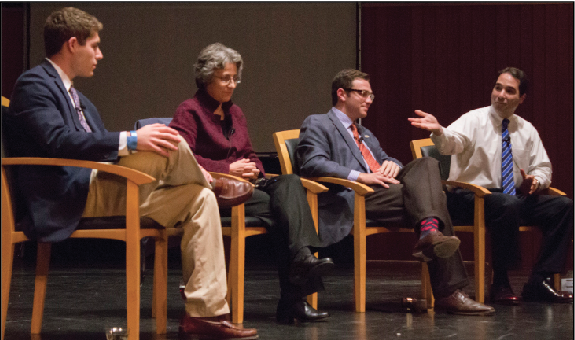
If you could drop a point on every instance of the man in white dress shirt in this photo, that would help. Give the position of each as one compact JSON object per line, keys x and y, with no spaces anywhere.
{"x":478,"y":141}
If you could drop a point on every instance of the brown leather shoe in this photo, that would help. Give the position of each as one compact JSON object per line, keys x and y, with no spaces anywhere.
{"x":435,"y":244}
{"x":218,"y":327}
{"x":230,"y":192}
{"x":460,"y":303}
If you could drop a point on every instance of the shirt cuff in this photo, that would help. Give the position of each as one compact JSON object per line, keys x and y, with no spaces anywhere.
{"x":353,"y":175}
{"x":123,"y":149}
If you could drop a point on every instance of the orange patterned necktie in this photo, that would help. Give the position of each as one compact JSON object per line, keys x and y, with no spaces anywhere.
{"x":373,"y":164}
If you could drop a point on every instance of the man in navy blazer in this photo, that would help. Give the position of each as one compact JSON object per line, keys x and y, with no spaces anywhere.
{"x":48,"y":117}
{"x":334,"y":145}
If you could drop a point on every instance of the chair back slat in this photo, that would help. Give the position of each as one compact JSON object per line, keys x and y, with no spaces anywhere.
{"x":444,"y":160}
{"x":286,"y":142}
{"x":148,"y":121}
{"x":291,"y":146}
{"x":8,"y":221}
{"x":426,"y":148}
{"x":9,"y":194}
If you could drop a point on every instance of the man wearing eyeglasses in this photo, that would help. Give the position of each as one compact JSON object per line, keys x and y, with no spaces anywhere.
{"x":333,"y":144}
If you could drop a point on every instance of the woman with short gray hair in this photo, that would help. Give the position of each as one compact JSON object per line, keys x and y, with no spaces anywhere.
{"x":213,"y":57}
{"x":217,"y":132}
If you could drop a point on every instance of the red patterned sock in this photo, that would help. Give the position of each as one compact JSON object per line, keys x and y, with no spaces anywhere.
{"x":428,"y":225}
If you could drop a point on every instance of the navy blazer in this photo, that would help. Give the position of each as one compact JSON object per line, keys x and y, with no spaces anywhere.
{"x":42,"y":122}
{"x":327,"y":149}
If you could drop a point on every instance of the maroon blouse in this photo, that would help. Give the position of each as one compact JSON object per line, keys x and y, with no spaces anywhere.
{"x":213,"y":146}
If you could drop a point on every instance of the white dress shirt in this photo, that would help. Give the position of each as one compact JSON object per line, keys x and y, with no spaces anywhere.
{"x":474,"y":141}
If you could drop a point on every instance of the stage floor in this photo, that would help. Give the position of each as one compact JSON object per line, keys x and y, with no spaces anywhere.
{"x":84,"y":299}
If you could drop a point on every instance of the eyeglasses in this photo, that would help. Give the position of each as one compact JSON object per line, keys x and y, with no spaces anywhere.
{"x":364,"y":93}
{"x":227,"y":80}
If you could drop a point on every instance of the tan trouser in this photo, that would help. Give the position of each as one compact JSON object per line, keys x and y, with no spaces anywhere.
{"x":179,"y":194}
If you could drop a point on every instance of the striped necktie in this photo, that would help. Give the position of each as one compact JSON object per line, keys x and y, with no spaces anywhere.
{"x":373,"y":164}
{"x":506,"y":161}
{"x":81,"y":116}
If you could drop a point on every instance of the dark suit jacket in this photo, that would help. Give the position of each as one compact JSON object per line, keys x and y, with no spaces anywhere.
{"x":42,"y":122}
{"x":327,"y":149}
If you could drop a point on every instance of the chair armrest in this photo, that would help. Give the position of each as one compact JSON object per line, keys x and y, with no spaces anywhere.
{"x":359,"y":188}
{"x":268,"y":176}
{"x":551,"y":191}
{"x":222,"y":175}
{"x":312,"y":186}
{"x":132,"y":175}
{"x":476,"y":189}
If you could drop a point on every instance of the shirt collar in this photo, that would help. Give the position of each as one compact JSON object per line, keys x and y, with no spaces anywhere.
{"x":343,"y":118}
{"x":497,"y":120}
{"x":210,"y":103}
{"x":65,"y":79}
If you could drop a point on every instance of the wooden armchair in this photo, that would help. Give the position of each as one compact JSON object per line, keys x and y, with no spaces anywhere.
{"x":285,"y":143}
{"x":426,"y":148}
{"x":129,"y":229}
{"x":238,"y":227}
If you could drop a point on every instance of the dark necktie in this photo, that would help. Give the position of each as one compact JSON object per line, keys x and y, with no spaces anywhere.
{"x":76,"y":100}
{"x":506,"y":161}
{"x":371,"y":162}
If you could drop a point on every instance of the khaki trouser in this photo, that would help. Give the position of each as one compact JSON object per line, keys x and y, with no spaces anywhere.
{"x":182,"y":195}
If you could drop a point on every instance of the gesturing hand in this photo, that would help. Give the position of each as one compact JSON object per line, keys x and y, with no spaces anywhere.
{"x":158,"y":138}
{"x":426,"y":122}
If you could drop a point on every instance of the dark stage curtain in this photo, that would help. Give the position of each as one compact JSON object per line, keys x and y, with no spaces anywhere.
{"x":444,"y":58}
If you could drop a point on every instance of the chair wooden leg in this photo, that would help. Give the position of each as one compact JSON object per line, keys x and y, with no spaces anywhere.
{"x":237,"y":262}
{"x":359,"y":249}
{"x":480,"y":267}
{"x":557,"y":281}
{"x":154,"y":296}
{"x":360,"y":271}
{"x":133,"y":261}
{"x":7,"y":259}
{"x":160,"y":293}
{"x":479,"y":249}
{"x":133,"y":288}
{"x":426,"y":291}
{"x":42,"y":266}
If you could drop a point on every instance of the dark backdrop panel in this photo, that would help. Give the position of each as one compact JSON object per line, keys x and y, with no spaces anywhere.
{"x":291,"y":52}
{"x":13,"y":45}
{"x":444,"y":59}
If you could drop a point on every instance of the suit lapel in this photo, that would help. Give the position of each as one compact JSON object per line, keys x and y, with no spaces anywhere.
{"x":348,"y":139}
{"x":51,"y":71}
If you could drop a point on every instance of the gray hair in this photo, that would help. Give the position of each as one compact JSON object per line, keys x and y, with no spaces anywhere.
{"x":214,"y":57}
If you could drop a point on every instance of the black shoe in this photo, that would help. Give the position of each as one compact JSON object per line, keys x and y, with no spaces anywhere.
{"x":301,"y":311}
{"x":543,"y":292}
{"x":310,"y":266}
{"x":503,"y":295}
